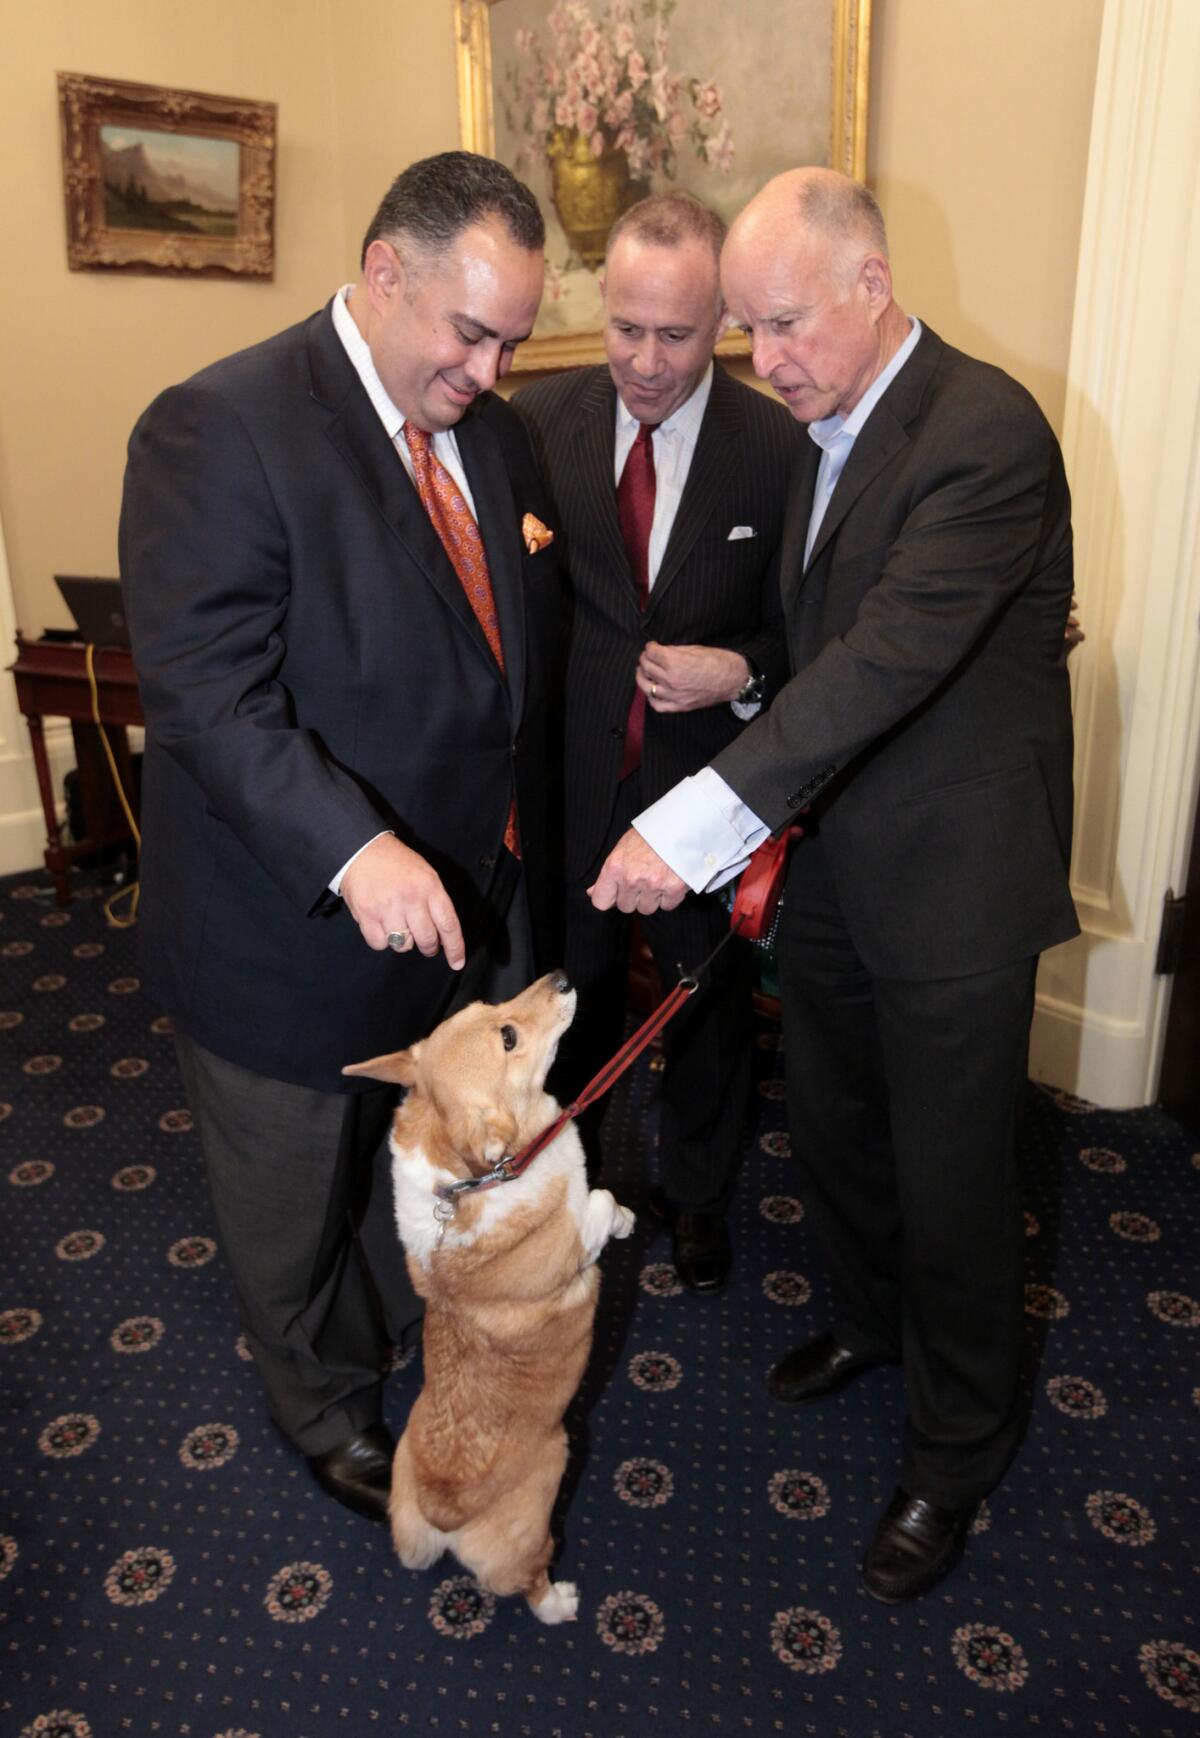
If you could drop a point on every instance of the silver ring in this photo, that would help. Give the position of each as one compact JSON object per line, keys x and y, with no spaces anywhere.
{"x":398,"y":940}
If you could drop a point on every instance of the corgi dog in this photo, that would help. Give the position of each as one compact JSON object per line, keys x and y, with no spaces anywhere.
{"x":510,"y":1284}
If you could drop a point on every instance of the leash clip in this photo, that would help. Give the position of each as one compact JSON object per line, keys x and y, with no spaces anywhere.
{"x":444,"y":1211}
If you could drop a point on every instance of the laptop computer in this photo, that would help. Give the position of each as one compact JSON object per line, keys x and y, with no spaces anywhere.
{"x":97,"y":607}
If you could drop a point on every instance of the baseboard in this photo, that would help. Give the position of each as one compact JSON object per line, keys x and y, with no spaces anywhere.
{"x":1102,"y":1060}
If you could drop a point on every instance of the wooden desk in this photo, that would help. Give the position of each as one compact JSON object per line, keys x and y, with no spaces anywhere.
{"x":51,"y":678}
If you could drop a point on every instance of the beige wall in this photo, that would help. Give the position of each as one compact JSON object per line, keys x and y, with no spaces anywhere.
{"x":363,"y":86}
{"x":980,"y":122}
{"x":978,"y":143}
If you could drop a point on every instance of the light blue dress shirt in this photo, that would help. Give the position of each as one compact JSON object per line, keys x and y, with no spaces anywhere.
{"x":701,"y":828}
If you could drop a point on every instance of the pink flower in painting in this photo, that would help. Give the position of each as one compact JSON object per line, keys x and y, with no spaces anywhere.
{"x":591,"y":77}
{"x":619,"y":110}
{"x":601,"y":72}
{"x":707,"y":98}
{"x":661,"y":91}
{"x":719,"y":149}
{"x":638,"y":156}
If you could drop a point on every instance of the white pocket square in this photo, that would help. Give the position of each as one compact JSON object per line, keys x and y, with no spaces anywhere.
{"x":740,"y":531}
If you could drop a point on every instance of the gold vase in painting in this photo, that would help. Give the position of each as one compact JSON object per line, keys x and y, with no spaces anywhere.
{"x":589,"y":193}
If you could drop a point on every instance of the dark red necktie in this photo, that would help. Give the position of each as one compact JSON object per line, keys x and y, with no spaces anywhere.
{"x":635,"y":510}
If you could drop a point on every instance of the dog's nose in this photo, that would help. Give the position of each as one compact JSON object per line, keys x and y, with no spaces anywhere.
{"x":560,"y":981}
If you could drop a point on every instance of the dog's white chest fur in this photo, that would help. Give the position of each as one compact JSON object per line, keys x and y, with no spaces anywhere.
{"x":416,"y":1181}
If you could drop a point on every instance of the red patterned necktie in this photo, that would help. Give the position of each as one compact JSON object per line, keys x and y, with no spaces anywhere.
{"x":635,"y":511}
{"x":455,"y":524}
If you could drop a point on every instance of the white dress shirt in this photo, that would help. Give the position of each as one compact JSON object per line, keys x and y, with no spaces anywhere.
{"x":444,"y":446}
{"x":701,"y":828}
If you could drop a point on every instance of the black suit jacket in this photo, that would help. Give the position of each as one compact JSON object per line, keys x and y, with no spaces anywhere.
{"x":708,"y":591}
{"x":312,"y":673}
{"x":929,"y":718}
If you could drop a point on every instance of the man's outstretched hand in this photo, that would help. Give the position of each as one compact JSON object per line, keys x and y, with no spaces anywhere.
{"x":635,"y":878}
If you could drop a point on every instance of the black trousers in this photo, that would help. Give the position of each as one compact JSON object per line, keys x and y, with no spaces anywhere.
{"x":706,"y":1046}
{"x":903,"y":1099}
{"x":301,"y":1187}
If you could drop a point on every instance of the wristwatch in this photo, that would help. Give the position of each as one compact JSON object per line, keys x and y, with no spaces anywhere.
{"x":753,"y":688}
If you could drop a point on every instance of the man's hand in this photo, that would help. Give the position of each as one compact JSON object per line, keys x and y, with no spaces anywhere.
{"x":390,"y":888}
{"x":684,"y":678}
{"x":635,"y":878}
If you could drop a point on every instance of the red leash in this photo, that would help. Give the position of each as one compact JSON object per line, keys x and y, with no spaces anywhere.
{"x":507,"y":1170}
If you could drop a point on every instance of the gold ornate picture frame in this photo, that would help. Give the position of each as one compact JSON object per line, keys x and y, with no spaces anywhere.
{"x":162,"y":180}
{"x":596,"y":102}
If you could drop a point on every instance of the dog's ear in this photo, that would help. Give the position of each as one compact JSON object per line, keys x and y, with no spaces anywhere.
{"x":399,"y":1069}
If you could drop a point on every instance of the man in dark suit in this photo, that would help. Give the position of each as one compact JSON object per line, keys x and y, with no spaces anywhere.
{"x":927,"y":729}
{"x":662,"y":678}
{"x":342,"y":628}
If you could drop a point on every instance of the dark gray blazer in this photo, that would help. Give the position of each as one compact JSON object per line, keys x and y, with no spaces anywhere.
{"x":312,"y":673}
{"x":928,"y":719}
{"x":709,"y":591}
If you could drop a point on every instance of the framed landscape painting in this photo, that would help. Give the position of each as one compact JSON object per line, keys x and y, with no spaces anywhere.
{"x":596,"y":103}
{"x":166,"y":180}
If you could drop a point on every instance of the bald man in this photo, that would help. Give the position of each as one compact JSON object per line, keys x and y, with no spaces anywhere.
{"x":926,"y":730}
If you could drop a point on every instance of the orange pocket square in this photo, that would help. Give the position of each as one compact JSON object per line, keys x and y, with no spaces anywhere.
{"x":537,"y":536}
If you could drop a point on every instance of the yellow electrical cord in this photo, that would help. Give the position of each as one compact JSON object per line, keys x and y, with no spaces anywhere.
{"x":133,"y":891}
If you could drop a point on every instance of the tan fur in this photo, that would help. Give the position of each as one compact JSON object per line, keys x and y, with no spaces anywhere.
{"x":510,"y":1295}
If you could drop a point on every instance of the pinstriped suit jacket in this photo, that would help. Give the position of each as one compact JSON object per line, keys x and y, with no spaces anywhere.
{"x":709,"y":591}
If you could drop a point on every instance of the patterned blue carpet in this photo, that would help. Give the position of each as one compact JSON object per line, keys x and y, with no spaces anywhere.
{"x":166,"y":1565}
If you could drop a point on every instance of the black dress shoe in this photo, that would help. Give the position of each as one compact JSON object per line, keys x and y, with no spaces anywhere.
{"x":358,"y":1472}
{"x":817,"y":1367}
{"x":916,"y":1545}
{"x":700,"y":1249}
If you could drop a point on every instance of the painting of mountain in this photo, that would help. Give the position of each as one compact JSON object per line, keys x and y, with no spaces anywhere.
{"x":177,"y":182}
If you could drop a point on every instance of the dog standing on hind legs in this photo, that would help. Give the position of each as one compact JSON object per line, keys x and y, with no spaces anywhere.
{"x":510,"y":1286}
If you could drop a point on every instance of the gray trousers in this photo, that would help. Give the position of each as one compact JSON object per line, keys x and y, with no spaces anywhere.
{"x":301,"y":1187}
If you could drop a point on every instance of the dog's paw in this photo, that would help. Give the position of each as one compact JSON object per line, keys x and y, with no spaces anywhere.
{"x":560,"y":1605}
{"x":623,"y":1221}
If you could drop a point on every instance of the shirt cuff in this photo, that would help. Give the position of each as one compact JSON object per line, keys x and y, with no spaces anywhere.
{"x":335,"y":886}
{"x":702,"y":830}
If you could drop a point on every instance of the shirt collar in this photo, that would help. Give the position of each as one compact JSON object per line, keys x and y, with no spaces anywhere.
{"x":359,"y":352}
{"x":685,"y":421}
{"x":832,"y":429}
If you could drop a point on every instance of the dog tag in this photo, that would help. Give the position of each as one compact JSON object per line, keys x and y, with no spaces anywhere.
{"x":443,"y":1212}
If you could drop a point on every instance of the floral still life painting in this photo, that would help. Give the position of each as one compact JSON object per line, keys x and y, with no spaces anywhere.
{"x":596,"y":103}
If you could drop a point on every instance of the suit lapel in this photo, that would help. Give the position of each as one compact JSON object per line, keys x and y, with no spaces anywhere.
{"x":885,"y":433}
{"x":355,"y":431}
{"x":592,"y":440}
{"x":716,"y":458}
